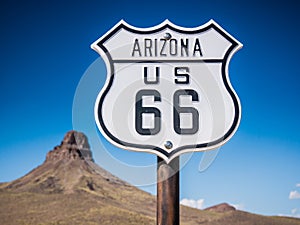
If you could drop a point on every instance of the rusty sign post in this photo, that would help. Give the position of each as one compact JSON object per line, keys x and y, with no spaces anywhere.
{"x":167,"y":192}
{"x":167,"y":92}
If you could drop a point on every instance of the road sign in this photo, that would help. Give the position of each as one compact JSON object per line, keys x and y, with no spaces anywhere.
{"x":167,"y":90}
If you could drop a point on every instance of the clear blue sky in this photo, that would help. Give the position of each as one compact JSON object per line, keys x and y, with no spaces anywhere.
{"x":45,"y":50}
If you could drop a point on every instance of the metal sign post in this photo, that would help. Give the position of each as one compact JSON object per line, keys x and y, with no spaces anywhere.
{"x":167,"y":92}
{"x":167,"y":192}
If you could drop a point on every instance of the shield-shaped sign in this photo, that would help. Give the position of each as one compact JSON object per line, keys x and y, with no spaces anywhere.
{"x":167,"y":90}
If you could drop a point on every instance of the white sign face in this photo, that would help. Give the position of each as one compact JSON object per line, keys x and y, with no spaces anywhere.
{"x":167,"y":90}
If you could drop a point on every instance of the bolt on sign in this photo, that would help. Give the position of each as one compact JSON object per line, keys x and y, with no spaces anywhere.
{"x":167,"y":90}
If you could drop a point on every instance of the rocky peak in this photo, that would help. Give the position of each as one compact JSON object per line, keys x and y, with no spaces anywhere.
{"x":74,"y":146}
{"x":68,"y":168}
{"x":223,"y":207}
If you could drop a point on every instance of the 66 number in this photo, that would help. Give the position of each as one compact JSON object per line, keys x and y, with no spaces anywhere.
{"x":177,"y":110}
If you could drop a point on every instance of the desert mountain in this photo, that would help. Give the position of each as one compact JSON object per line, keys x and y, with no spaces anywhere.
{"x":68,"y":168}
{"x":223,"y":207}
{"x":70,"y":188}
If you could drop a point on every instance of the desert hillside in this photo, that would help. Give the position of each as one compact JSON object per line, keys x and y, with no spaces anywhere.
{"x":70,"y":188}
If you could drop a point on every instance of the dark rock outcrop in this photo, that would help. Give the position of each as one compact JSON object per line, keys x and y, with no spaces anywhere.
{"x":74,"y":146}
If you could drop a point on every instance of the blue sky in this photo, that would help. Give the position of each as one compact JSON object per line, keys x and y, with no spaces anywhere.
{"x":45,"y":51}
